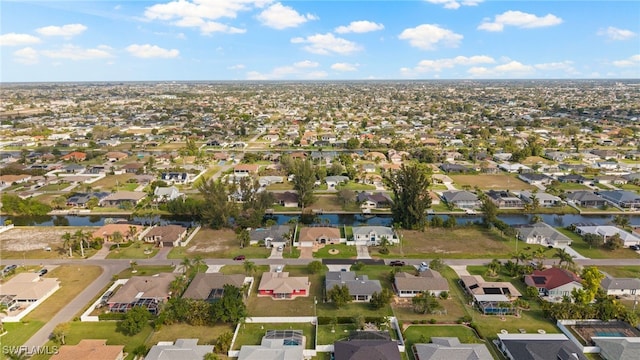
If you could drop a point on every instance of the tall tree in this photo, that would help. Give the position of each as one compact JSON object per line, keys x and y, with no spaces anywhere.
{"x":425,"y":303}
{"x":563,"y":257}
{"x":216,"y":209}
{"x":339,"y":295}
{"x":410,"y":186}
{"x":303,"y":181}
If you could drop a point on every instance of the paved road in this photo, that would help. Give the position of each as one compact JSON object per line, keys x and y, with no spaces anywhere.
{"x":115,"y":266}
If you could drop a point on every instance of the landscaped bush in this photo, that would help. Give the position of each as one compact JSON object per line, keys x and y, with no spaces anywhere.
{"x":120,"y":246}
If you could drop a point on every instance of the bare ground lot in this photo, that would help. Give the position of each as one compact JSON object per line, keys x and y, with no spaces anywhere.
{"x":217,"y":244}
{"x":491,"y":182}
{"x":30,"y":241}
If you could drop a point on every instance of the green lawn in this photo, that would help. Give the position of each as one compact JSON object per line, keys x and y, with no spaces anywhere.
{"x":206,"y":334}
{"x":579,"y":245}
{"x":146,"y":271}
{"x":328,"y":334}
{"x":416,"y":334}
{"x":18,"y":333}
{"x":463,"y":242}
{"x":252,"y":333}
{"x":239,"y":269}
{"x":135,"y":251}
{"x":622,"y":271}
{"x":300,"y":306}
{"x":355,"y":186}
{"x":491,"y":181}
{"x":344,"y":252}
{"x":570,"y":186}
{"x":217,"y":244}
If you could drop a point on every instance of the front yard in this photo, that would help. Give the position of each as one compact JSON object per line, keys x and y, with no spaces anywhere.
{"x":217,"y":244}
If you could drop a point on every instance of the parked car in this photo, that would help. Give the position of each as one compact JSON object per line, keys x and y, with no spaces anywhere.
{"x":634,"y":247}
{"x":9,"y":268}
{"x":280,"y":248}
{"x":239,"y":257}
{"x":423,"y":266}
{"x":279,"y":269}
{"x":397,"y":263}
{"x":42,"y":272}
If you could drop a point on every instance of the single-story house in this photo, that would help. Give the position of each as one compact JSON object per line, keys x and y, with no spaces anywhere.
{"x":24,"y":292}
{"x":82,"y":199}
{"x":74,"y":156}
{"x":134,"y":168}
{"x":461,"y":199}
{"x":278,"y":285}
{"x":166,"y":235}
{"x":515,"y":168}
{"x":573,"y":178}
{"x":276,"y":345}
{"x":620,"y":286}
{"x":372,"y":235}
{"x":553,"y":282}
{"x":175,"y":177}
{"x":366,"y":345}
{"x":542,"y":234}
{"x":148,"y":291}
{"x":90,"y":349}
{"x":535,"y":179}
{"x":287,"y":199}
{"x":538,"y":346}
{"x":360,"y":287}
{"x":127,"y":231}
{"x":505,"y":199}
{"x":622,"y":198}
{"x":586,"y":199}
{"x":245,"y":169}
{"x":544,"y":199}
{"x":113,"y":156}
{"x":320,"y":235}
{"x":333,"y":181}
{"x":450,"y":348}
{"x":210,"y":286}
{"x":183,"y":349}
{"x":607,"y":231}
{"x":490,"y":297}
{"x":275,"y":235}
{"x":164,"y":194}
{"x":409,"y":285}
{"x":618,"y":348}
{"x":373,"y":200}
{"x":121,"y":197}
{"x":455,"y":168}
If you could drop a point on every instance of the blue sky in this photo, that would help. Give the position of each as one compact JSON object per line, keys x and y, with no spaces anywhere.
{"x":317,"y":40}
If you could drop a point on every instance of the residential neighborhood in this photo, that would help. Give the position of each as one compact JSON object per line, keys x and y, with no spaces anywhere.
{"x":348,"y":220}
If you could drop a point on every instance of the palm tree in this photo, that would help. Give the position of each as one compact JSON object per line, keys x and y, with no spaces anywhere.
{"x":67,"y":243}
{"x":494,"y":267}
{"x":249,"y":267}
{"x":133,"y":231}
{"x":117,"y":237}
{"x":186,"y":265}
{"x":197,"y":263}
{"x":563,"y":257}
{"x":3,"y":310}
{"x":82,"y":238}
{"x":521,"y":256}
{"x":539,"y":255}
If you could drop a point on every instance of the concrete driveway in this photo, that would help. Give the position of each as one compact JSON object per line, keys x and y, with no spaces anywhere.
{"x":363,"y":252}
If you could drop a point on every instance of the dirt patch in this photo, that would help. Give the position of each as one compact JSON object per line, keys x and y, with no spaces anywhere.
{"x":208,"y":240}
{"x":34,"y":238}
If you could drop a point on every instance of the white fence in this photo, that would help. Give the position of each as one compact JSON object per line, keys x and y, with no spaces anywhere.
{"x":89,"y":318}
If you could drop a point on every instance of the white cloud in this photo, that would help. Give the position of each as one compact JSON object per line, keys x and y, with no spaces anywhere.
{"x":67,"y":31}
{"x":512,"y":69}
{"x":629,"y":62}
{"x":280,"y":17}
{"x":28,"y":56}
{"x":325,"y":44}
{"x":362,"y":26}
{"x":455,"y":4}
{"x":13,"y":39}
{"x":72,"y":52}
{"x":345,"y":67}
{"x":429,"y":36}
{"x":438,"y":65}
{"x":613,"y":33}
{"x":200,"y":13}
{"x":519,"y":19}
{"x":236,"y":67}
{"x":563,"y":65}
{"x":298,"y":70}
{"x":305,"y":64}
{"x":148,"y":51}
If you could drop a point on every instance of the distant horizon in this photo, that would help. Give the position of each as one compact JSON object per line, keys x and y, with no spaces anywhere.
{"x":271,"y":40}
{"x":328,"y":81}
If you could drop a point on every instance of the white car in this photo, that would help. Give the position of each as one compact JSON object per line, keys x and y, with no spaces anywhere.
{"x":279,"y":269}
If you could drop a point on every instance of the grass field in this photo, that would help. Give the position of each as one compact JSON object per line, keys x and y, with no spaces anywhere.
{"x":470,"y":242}
{"x":206,"y":334}
{"x":135,"y":251}
{"x":491,"y":182}
{"x":355,"y":186}
{"x":344,"y":252}
{"x":326,"y":203}
{"x":621,"y":271}
{"x":217,"y":244}
{"x":145,"y":271}
{"x":111,"y":181}
{"x":579,"y":245}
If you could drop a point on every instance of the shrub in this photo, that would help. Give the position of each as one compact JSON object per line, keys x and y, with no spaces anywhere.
{"x":432,"y":321}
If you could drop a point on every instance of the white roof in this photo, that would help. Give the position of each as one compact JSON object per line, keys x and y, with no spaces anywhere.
{"x":494,"y":298}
